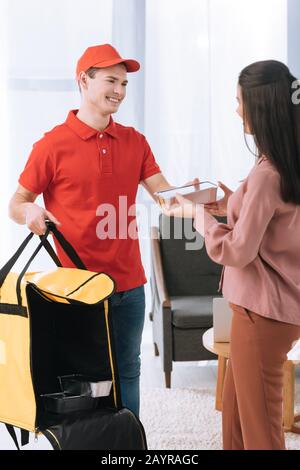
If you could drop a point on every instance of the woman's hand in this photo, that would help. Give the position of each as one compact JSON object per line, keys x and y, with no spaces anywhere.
{"x":219,"y":208}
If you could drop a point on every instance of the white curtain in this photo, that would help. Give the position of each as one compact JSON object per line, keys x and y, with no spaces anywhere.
{"x":183,"y":99}
{"x":191,"y":81}
{"x":177,"y":109}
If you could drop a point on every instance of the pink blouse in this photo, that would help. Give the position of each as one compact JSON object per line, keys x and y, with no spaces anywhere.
{"x":259,"y":247}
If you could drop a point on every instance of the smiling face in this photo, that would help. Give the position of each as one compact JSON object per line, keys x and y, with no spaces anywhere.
{"x":105,"y":90}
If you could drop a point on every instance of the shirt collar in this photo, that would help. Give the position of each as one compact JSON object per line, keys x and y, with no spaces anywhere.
{"x":86,"y":132}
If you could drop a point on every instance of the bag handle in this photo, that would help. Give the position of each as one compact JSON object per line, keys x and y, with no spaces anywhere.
{"x":8,"y":266}
{"x":51,"y":252}
{"x":66,"y":246}
{"x":10,"y":263}
{"x":19,"y":280}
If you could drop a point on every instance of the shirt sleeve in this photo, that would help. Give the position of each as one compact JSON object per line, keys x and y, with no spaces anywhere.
{"x":39,"y":169}
{"x":149,"y":165}
{"x":239,"y":245}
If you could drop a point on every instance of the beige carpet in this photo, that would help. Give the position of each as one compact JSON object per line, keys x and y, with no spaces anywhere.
{"x":186,"y":419}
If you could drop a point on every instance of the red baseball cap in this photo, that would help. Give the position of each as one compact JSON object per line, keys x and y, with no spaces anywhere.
{"x":103,"y":56}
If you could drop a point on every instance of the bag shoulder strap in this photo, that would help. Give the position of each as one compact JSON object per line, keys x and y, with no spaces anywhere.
{"x":24,"y":436}
{"x":13,"y":435}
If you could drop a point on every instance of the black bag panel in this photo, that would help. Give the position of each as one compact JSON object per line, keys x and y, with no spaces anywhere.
{"x":105,"y":429}
{"x":68,"y":339}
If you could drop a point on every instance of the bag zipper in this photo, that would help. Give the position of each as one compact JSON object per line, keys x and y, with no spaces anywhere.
{"x":52,"y":439}
{"x":110,"y":353}
{"x":141,"y":429}
{"x":43,"y":292}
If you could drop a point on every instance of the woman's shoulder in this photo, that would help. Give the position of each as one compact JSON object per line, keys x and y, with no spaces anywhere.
{"x":264,"y":180}
{"x":264,"y":168}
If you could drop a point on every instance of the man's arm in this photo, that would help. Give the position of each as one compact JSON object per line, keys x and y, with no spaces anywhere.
{"x":159,"y":183}
{"x":22,"y":210}
{"x":156,"y":183}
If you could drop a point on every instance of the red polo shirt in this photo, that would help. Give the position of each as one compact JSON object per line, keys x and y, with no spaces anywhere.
{"x":82,"y":173}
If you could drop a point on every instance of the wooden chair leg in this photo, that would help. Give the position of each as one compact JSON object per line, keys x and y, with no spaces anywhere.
{"x":222,"y":364}
{"x":288,"y":395}
{"x":168,"y":379}
{"x":295,"y":428}
{"x":156,"y":351}
{"x":289,"y":418}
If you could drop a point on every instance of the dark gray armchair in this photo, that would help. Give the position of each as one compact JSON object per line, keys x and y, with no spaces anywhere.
{"x":183,"y":283}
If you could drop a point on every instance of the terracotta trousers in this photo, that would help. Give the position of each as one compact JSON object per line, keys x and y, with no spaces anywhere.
{"x":253,"y":389}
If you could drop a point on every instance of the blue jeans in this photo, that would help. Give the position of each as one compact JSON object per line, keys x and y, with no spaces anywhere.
{"x":128,"y":323}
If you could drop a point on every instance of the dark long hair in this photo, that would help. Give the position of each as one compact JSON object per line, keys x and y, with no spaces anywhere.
{"x":274,"y":119}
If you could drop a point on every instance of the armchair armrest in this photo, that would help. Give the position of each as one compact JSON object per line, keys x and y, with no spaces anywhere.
{"x":158,"y":269}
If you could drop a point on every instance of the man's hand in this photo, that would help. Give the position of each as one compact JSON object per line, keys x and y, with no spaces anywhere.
{"x":35,"y":217}
{"x":187,"y":209}
{"x":23,"y":211}
{"x":195,"y":182}
{"x":158,"y":182}
{"x":183,"y":208}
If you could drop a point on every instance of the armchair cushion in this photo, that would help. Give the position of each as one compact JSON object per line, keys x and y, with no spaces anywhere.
{"x":192,"y":311}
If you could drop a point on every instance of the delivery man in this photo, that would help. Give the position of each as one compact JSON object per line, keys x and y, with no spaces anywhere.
{"x":84,"y":168}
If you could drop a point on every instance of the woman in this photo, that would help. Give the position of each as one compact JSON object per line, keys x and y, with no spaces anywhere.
{"x":260,"y":250}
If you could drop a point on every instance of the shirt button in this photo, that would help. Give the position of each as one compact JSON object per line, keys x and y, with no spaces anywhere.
{"x":103,"y":151}
{"x":101,"y":135}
